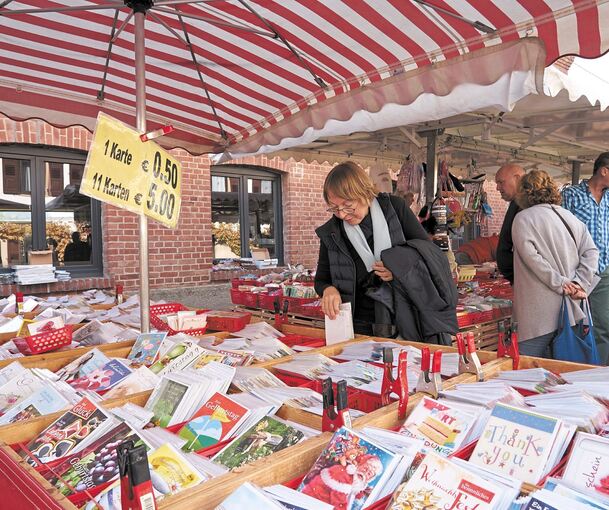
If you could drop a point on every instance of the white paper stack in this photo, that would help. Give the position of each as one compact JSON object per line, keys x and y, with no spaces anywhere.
{"x":538,"y":380}
{"x":572,"y":405}
{"x":262,"y":348}
{"x":311,"y":366}
{"x":257,"y":408}
{"x":35,"y":273}
{"x":486,"y":394}
{"x":180,"y":394}
{"x":251,"y":378}
{"x":258,"y":330}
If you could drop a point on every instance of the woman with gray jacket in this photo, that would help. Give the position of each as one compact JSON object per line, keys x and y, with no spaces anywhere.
{"x":554,"y":254}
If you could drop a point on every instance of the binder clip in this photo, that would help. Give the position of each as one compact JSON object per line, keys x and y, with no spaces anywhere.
{"x":136,"y":486}
{"x":334,"y":417}
{"x":507,"y":343}
{"x":430,"y":380}
{"x":469,"y":363}
{"x":399,"y":385}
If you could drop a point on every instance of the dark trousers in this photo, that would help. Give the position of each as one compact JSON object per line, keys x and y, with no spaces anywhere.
{"x":599,"y":306}
{"x":539,"y":347}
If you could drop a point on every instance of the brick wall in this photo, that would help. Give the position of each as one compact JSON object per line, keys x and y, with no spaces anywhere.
{"x":183,"y":257}
{"x":499,"y":206}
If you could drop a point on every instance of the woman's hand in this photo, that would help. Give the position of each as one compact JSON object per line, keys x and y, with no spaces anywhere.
{"x":382,"y":272}
{"x":574,"y":291}
{"x":330,"y":302}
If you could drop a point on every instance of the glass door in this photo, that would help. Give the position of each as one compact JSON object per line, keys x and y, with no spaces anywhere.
{"x":261,"y":214}
{"x":226,"y":216}
{"x":246,"y":212}
{"x":15,"y":210}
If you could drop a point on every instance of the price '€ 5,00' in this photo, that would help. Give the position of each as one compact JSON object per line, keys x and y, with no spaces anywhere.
{"x":138,"y":176}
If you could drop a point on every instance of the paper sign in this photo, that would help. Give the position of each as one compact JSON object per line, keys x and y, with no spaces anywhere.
{"x":138,"y":176}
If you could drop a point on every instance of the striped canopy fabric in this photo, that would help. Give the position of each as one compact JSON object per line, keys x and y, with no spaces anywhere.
{"x":224,"y":71}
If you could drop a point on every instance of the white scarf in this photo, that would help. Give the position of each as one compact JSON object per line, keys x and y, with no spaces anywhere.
{"x":380,"y":233}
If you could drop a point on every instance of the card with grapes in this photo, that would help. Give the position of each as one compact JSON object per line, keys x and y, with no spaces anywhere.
{"x":93,"y":466}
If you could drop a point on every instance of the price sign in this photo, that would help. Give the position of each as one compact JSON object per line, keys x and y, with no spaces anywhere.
{"x":138,"y":176}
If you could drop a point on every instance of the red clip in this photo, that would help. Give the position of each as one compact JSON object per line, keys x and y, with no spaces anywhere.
{"x":508,"y":348}
{"x":135,"y":482}
{"x":425,"y":359}
{"x":399,"y":385}
{"x":151,"y":135}
{"x":430,"y":381}
{"x":469,"y":363}
{"x":335,"y":417}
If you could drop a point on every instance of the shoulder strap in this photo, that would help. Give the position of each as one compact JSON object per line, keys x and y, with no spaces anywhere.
{"x":566,"y":225}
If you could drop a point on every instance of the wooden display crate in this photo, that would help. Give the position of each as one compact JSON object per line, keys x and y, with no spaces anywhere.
{"x":296,"y":460}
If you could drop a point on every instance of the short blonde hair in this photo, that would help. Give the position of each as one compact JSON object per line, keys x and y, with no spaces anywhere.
{"x":537,"y":187}
{"x":349,"y":181}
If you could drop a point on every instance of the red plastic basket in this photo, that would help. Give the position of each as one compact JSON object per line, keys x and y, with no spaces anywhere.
{"x":228,"y":321}
{"x":236,"y":282}
{"x":312,"y":311}
{"x":267,"y":301}
{"x":45,"y":342}
{"x":292,"y":339}
{"x":245,"y":298}
{"x":295,"y":303}
{"x":169,"y":308}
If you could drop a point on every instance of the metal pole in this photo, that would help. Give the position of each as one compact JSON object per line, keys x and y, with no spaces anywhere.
{"x":576,"y":171}
{"x":431,"y":174}
{"x":140,"y":116}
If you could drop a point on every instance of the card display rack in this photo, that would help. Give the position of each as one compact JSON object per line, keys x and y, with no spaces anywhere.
{"x":282,"y":466}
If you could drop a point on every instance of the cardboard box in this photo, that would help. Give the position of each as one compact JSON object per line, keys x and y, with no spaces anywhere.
{"x":40,"y":257}
{"x":260,"y":253}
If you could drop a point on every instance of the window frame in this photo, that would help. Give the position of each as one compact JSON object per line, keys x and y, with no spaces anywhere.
{"x":38,"y":155}
{"x":243,"y":172}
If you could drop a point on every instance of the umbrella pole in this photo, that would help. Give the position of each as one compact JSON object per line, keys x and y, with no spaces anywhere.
{"x":140,"y":116}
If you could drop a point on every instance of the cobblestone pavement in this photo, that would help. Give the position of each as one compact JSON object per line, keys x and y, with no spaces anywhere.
{"x":213,"y":296}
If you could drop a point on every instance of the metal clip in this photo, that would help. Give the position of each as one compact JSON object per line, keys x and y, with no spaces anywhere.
{"x":335,"y":417}
{"x":469,"y":363}
{"x":399,"y":385}
{"x":430,"y":380}
{"x":507,"y":343}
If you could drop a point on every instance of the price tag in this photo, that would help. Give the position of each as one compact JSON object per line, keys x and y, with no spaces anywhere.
{"x":138,"y":176}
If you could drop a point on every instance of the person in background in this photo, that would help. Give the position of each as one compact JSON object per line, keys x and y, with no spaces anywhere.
{"x":478,"y":251}
{"x":364,"y":223}
{"x":76,"y":251}
{"x":589,"y":201}
{"x":507,"y":179}
{"x":554,"y":254}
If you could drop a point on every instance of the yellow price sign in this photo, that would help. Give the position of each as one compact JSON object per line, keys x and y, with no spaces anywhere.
{"x":138,"y":176}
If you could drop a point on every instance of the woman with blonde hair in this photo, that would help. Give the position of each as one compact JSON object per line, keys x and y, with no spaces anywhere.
{"x":363,"y":225}
{"x":554,"y":255}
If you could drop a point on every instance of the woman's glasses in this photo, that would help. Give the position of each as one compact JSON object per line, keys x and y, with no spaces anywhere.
{"x":345,"y":210}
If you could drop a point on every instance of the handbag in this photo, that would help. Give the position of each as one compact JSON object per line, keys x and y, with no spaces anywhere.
{"x":575,"y":343}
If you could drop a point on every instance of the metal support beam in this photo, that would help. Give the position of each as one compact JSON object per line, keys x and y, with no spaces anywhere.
{"x":536,"y":137}
{"x":431,"y":173}
{"x":576,"y":171}
{"x":140,"y":116}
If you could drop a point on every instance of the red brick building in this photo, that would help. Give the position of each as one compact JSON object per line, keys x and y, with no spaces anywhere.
{"x":34,"y":152}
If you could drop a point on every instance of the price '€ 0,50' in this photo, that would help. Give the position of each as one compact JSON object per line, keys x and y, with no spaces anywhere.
{"x":134,"y":175}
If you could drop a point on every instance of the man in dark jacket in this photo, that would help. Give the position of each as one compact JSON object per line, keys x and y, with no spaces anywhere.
{"x":507,"y":179}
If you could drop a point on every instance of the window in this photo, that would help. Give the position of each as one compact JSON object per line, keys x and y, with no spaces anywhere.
{"x":246,"y":211}
{"x":41,"y":208}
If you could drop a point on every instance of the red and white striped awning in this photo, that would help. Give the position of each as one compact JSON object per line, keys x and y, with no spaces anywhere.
{"x":226,"y":72}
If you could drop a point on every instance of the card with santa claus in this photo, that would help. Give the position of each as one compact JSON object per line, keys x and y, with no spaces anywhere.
{"x":350,"y":473}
